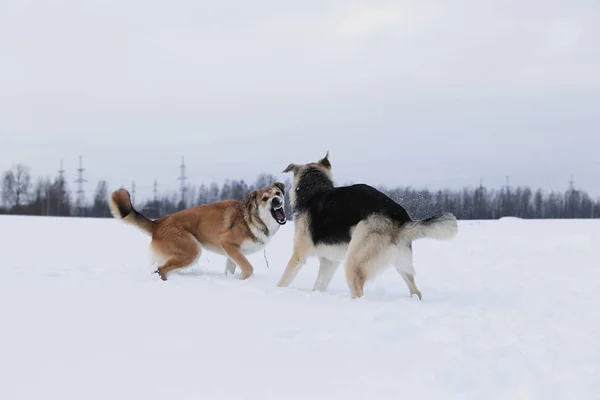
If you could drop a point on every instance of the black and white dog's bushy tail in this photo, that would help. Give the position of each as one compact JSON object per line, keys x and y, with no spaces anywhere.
{"x":442,"y":227}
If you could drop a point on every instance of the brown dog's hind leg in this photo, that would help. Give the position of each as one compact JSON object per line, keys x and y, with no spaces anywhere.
{"x":178,"y":254}
{"x":172,"y":265}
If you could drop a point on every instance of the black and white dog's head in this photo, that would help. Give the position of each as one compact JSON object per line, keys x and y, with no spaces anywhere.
{"x":309,"y":179}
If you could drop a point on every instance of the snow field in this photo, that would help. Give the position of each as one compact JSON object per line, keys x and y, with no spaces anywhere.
{"x":509,"y":310}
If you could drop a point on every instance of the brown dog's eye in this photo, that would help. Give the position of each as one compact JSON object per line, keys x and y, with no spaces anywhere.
{"x":278,"y":193}
{"x":265,"y":198}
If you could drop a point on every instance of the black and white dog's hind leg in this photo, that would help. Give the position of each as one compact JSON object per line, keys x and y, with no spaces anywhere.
{"x":371,"y":249}
{"x":404,"y":266}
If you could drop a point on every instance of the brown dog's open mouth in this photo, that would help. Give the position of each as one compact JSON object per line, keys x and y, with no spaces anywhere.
{"x":278,"y":214}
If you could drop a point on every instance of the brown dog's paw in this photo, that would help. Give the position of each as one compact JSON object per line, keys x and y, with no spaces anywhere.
{"x":162,"y":275}
{"x":245,"y":276}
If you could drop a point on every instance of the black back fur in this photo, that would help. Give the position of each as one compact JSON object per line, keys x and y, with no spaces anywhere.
{"x":332,"y":212}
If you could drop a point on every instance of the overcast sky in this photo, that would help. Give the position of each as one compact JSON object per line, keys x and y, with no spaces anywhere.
{"x":421,"y":93}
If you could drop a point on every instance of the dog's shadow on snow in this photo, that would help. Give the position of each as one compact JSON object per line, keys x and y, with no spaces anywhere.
{"x":202,"y":273}
{"x":374,"y":294}
{"x":217,"y":275}
{"x":386,"y":295}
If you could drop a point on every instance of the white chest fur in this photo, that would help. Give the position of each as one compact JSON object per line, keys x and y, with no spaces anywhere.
{"x":332,"y":252}
{"x":250,"y":246}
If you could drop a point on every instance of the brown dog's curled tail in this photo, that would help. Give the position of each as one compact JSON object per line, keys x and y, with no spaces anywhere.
{"x":121,"y":208}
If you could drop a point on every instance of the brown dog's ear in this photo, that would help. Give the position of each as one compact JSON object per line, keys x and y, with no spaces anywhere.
{"x":251,"y":199}
{"x":291,"y":167}
{"x":325,"y":161}
{"x":280,"y":186}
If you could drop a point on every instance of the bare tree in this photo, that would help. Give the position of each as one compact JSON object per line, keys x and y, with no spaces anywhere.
{"x":213,"y":193}
{"x":239,"y":190}
{"x":191,"y":195}
{"x":225,"y":193}
{"x":8,"y":189}
{"x":539,"y":204}
{"x":52,"y":198}
{"x":264,"y":180}
{"x":100,"y":207}
{"x":16,"y":186}
{"x":202,"y":195}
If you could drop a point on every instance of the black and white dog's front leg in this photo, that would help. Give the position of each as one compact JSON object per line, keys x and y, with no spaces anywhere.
{"x":302,"y":248}
{"x":326,"y":271}
{"x":296,"y":262}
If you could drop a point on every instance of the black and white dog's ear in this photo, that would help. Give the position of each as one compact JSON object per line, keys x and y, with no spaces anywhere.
{"x":325,"y":161}
{"x":291,"y":167}
{"x":280,"y":186}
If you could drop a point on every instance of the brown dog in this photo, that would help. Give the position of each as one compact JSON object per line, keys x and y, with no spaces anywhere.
{"x":228,"y":227}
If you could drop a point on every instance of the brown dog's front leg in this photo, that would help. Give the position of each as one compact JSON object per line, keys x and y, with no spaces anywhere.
{"x":229,"y":266}
{"x":235,"y":254}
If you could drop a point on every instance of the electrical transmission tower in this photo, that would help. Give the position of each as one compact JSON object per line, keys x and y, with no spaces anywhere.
{"x":61,"y":185}
{"x":507,"y":184}
{"x":133,"y":193}
{"x":80,"y":191}
{"x":183,"y":187}
{"x":155,"y":191}
{"x":156,"y":205}
{"x":61,"y":173}
{"x":571,"y":184}
{"x":507,"y":206}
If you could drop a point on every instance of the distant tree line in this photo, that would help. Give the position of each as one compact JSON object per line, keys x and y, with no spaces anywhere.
{"x":46,"y":196}
{"x":483,"y":203}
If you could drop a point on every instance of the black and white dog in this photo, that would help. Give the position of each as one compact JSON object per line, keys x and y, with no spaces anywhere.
{"x":358,"y":221}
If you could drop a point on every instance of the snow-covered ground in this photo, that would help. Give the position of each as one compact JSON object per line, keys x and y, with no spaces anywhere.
{"x":510,"y":310}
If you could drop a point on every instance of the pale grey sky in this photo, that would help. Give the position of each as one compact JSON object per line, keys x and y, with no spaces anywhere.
{"x":428,"y":93}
